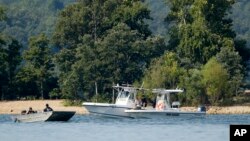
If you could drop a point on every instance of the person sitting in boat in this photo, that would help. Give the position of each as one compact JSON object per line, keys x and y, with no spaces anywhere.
{"x":31,"y":111}
{"x":47,"y":109}
{"x":23,"y":112}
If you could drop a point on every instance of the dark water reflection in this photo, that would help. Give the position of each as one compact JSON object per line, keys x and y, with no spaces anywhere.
{"x":94,"y":128}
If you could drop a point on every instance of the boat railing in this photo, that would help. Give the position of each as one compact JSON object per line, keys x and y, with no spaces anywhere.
{"x":166,"y":91}
{"x":176,"y":104}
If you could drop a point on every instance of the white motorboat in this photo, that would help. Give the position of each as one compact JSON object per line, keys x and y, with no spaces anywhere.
{"x":44,"y":116}
{"x":163,"y":107}
{"x":124,"y":101}
{"x":125,"y":105}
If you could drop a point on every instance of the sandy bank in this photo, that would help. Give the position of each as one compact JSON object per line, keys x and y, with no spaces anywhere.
{"x":229,"y":110}
{"x":15,"y":107}
{"x":223,"y":110}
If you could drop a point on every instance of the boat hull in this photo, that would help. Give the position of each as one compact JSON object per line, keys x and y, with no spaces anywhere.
{"x":161,"y":113}
{"x":45,"y":116}
{"x":105,"y":109}
{"x":61,"y":116}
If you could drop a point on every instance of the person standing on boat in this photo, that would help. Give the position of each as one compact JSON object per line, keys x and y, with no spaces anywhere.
{"x":47,"y":108}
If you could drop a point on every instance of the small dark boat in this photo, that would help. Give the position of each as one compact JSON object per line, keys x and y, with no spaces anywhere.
{"x":45,"y":116}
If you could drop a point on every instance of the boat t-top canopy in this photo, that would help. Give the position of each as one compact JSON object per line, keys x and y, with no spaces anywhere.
{"x":126,"y":88}
{"x":130,"y":88}
{"x":166,"y":91}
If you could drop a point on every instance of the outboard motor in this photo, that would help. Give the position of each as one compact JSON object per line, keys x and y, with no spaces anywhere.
{"x":201,"y":108}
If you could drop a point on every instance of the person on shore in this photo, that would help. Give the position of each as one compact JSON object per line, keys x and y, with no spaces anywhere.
{"x":31,"y":111}
{"x":47,"y":108}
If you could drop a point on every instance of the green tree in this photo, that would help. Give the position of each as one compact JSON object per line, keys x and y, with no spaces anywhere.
{"x":164,"y":72}
{"x":120,"y":57}
{"x":124,"y":53}
{"x":231,"y":61}
{"x":215,"y":79}
{"x":26,"y":82}
{"x":204,"y":30}
{"x":71,"y":25}
{"x":194,"y":93}
{"x":2,"y":54}
{"x":216,"y":14}
{"x":200,"y":30}
{"x":102,"y":42}
{"x":10,"y":58}
{"x":96,"y":17}
{"x":38,"y":59}
{"x":72,"y":88}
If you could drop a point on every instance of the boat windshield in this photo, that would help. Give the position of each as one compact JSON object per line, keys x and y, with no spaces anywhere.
{"x":125,"y":98}
{"x":124,"y":94}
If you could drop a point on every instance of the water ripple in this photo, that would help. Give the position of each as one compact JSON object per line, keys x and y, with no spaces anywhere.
{"x":92,"y":128}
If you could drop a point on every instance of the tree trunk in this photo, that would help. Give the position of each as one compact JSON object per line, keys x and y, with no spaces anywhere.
{"x":42,"y":91}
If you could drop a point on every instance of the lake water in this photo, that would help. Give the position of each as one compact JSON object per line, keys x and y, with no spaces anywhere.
{"x":93,"y":128}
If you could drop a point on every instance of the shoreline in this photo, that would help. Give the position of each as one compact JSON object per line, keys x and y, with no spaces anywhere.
{"x":15,"y":107}
{"x":229,"y":110}
{"x":213,"y":110}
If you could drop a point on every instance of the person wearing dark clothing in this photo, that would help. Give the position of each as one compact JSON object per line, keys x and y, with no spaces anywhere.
{"x":30,"y":111}
{"x":23,"y":112}
{"x":144,"y":102}
{"x":47,"y":109}
{"x":154,"y":103}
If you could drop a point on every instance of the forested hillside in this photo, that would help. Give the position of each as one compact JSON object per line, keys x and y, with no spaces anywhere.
{"x":26,"y":18}
{"x":29,"y":17}
{"x":241,"y":19}
{"x":65,"y":48}
{"x":159,"y":10}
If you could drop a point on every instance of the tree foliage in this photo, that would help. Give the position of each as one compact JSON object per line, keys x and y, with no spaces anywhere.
{"x":38,"y":65}
{"x":231,"y":61}
{"x":10,"y":58}
{"x":103,"y":42}
{"x":215,"y":80}
{"x":202,"y":31}
{"x":191,"y":81}
{"x":199,"y":35}
{"x":164,"y":72}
